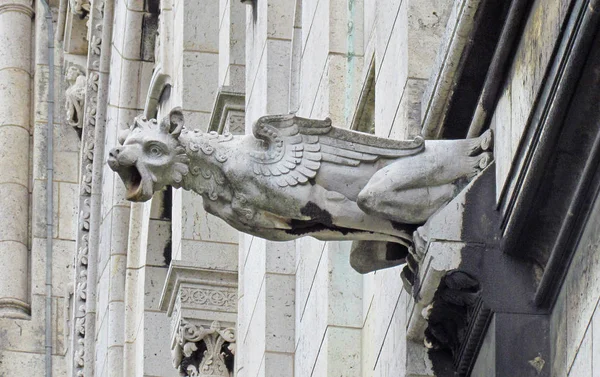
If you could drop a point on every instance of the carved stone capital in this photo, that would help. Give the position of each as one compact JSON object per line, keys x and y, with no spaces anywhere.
{"x":204,"y":351}
{"x":202,"y":305}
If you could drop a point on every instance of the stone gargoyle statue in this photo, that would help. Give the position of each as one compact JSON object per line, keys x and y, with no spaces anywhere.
{"x":298,"y":177}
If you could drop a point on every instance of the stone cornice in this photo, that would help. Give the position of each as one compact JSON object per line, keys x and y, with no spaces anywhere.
{"x":20,"y":8}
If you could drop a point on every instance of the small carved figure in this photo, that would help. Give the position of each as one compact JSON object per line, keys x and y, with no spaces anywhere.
{"x":301,"y":177}
{"x":75,"y":97}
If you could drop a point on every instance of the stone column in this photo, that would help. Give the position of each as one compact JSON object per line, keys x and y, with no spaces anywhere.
{"x":15,"y":99}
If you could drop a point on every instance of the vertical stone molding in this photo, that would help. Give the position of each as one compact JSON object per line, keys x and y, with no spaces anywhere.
{"x":204,"y":352}
{"x":15,"y":103}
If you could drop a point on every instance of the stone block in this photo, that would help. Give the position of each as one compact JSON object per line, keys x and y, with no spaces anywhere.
{"x":277,"y":60}
{"x":582,"y":364}
{"x":40,"y":95}
{"x":280,"y":257}
{"x":62,"y":266}
{"x":583,"y":277}
{"x":14,"y":206}
{"x":14,"y":155}
{"x":15,"y":93}
{"x":254,"y":271}
{"x":339,"y":354}
{"x":595,"y":346}
{"x":558,"y":336}
{"x":503,"y":152}
{"x":388,"y":16}
{"x":31,"y":364}
{"x":309,"y":252}
{"x":407,"y":122}
{"x":280,"y":19}
{"x":104,"y":240}
{"x":344,"y":287}
{"x":277,"y":364}
{"x":392,"y":354}
{"x":155,"y":278}
{"x":68,"y":206}
{"x":16,"y":28}
{"x":114,"y":79}
{"x":390,"y":79}
{"x":132,"y":36}
{"x":279,"y":313}
{"x":119,"y":26}
{"x":117,"y":278}
{"x":426,"y":25}
{"x":66,"y":166}
{"x":210,"y":255}
{"x":156,"y":360}
{"x":120,"y":230}
{"x":531,"y":60}
{"x":38,"y":208}
{"x":199,"y":67}
{"x":199,"y":225}
{"x":116,"y":325}
{"x":200,"y":26}
{"x":14,"y":281}
{"x":159,"y":243}
{"x":129,"y":94}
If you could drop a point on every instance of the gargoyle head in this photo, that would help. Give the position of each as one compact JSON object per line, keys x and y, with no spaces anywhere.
{"x":151,"y":156}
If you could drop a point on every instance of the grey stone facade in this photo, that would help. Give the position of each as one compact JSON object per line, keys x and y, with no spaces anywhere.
{"x":504,"y":277}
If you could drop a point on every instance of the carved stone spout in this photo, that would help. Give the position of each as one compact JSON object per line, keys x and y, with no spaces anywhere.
{"x":301,"y":177}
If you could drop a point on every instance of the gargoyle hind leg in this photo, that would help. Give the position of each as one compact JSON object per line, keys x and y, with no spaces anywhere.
{"x":412,"y":188}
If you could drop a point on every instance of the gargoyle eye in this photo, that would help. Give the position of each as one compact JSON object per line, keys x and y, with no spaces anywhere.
{"x":155,"y":151}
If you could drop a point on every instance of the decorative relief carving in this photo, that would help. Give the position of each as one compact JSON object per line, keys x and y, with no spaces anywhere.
{"x":87,"y":119}
{"x":204,"y":352}
{"x":302,"y":176}
{"x":84,"y":215}
{"x":209,"y":297}
{"x":75,"y":96}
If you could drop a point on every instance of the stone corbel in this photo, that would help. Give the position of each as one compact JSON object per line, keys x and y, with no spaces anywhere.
{"x":228,"y":113}
{"x":202,"y":305}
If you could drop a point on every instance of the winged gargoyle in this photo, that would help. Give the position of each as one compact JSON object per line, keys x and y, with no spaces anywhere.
{"x":301,"y":177}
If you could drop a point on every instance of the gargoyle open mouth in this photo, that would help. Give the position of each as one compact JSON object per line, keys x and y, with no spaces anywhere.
{"x":134,"y":181}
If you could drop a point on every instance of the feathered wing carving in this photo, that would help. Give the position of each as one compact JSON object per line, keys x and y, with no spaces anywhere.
{"x":293,"y":148}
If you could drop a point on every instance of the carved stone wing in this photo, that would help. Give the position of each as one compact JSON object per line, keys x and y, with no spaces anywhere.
{"x":292,"y":148}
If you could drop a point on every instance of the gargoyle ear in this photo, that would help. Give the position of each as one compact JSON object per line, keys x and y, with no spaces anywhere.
{"x":173,"y":123}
